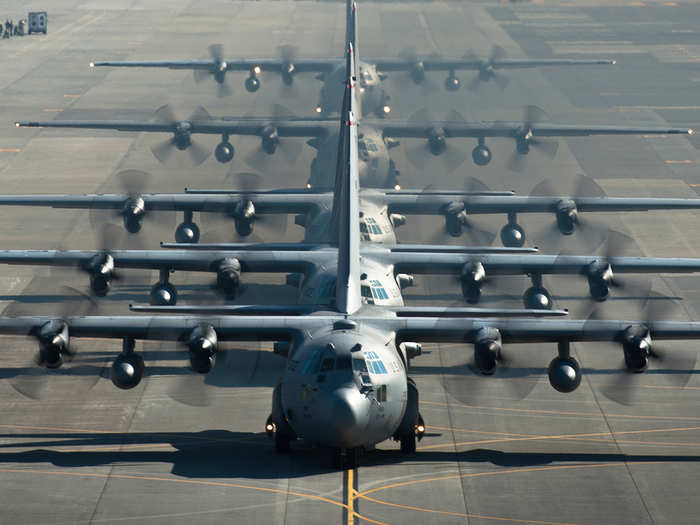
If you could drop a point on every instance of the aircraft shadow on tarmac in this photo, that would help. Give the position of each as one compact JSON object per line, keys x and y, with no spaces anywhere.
{"x":522,"y":459}
{"x":226,"y":454}
{"x":206,"y":454}
{"x":234,"y":368}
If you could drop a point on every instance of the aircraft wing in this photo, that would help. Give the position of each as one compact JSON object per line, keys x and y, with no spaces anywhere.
{"x":276,"y":201}
{"x":434,"y":203}
{"x":402,"y":311}
{"x":512,"y":264}
{"x":452,"y":64}
{"x":190,"y":260}
{"x":229,"y":126}
{"x":513,"y":129}
{"x":430,"y":329}
{"x":414,"y":329}
{"x":369,"y":248}
{"x":301,"y":65}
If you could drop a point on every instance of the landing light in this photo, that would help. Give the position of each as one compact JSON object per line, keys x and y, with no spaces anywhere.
{"x":691,"y":131}
{"x":257,"y":70}
{"x":92,"y":64}
{"x":16,"y":124}
{"x":269,"y":427}
{"x":319,"y":109}
{"x":386,"y":109}
{"x":308,"y":185}
{"x":420,"y":429}
{"x":397,"y":187}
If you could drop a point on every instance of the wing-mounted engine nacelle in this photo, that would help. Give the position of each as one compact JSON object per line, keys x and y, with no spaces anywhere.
{"x":270,"y":139}
{"x":288,"y":71}
{"x":219,"y":72}
{"x":54,"y":340}
{"x":182,"y":137}
{"x":455,"y":218}
{"x":452,"y":83}
{"x":100,"y":267}
{"x":228,"y":276}
{"x":487,"y":350}
{"x":486,"y":72}
{"x":567,"y":216}
{"x":636,"y":345}
{"x":522,"y":142}
{"x":133,"y":213}
{"x":244,"y":215}
{"x":397,"y":219}
{"x":418,"y":72}
{"x":600,"y":277}
{"x":404,"y":280}
{"x":437,"y":142}
{"x":472,"y":278}
{"x":127,"y":369}
{"x":203,"y":344}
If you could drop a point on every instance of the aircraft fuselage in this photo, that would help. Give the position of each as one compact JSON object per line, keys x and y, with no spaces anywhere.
{"x":344,"y":388}
{"x":371,"y":91}
{"x":376,"y":168}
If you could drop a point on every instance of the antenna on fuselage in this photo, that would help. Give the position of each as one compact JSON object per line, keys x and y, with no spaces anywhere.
{"x":346,"y":201}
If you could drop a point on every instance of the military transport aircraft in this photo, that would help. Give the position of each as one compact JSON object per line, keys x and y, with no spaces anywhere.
{"x":345,"y":385}
{"x":377,"y":138}
{"x":371,"y":72}
{"x":381,"y":210}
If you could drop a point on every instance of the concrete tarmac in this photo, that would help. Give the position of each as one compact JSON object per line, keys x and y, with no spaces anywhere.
{"x":186,"y":449}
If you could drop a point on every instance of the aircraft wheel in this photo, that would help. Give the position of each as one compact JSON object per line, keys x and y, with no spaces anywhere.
{"x":282,"y":442}
{"x":408,"y":443}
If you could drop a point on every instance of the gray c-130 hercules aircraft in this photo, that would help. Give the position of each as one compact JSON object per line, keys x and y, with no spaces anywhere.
{"x":381,"y":210}
{"x":345,"y":384}
{"x":377,"y":137}
{"x":371,"y":72}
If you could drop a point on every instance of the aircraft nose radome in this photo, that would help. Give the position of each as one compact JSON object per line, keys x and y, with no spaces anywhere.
{"x":348,"y":418}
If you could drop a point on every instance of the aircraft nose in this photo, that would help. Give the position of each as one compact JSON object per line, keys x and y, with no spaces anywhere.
{"x":348,"y":417}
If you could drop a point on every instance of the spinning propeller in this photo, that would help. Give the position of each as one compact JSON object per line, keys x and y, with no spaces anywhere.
{"x":182,"y":135}
{"x":588,"y":234}
{"x":263,"y":158}
{"x":641,"y":354}
{"x":438,"y":153}
{"x":487,"y":71}
{"x":242,"y":215}
{"x":218,"y":71}
{"x":525,"y":139}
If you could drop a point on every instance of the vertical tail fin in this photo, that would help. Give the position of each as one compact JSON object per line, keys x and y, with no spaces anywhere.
{"x":346,"y":201}
{"x":351,"y":37}
{"x":351,"y":28}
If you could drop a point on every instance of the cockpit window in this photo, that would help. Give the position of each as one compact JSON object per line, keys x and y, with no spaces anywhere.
{"x":372,"y":226}
{"x":343,"y":363}
{"x":327,"y":364}
{"x":378,"y":291}
{"x":374,"y":363}
{"x":358,"y":364}
{"x":366,"y":293}
{"x":313,"y":364}
{"x":362,"y":150}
